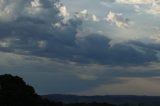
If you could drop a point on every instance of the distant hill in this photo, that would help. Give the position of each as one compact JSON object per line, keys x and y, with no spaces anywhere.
{"x":15,"y":92}
{"x":116,"y":99}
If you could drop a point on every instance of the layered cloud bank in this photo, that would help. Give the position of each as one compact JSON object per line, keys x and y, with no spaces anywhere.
{"x":45,"y":28}
{"x":88,"y":47}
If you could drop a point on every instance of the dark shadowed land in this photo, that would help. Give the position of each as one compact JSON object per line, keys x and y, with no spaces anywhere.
{"x":114,"y":99}
{"x":15,"y":92}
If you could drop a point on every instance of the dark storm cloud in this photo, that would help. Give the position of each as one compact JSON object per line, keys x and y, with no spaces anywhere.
{"x":97,"y":49}
{"x":43,"y":31}
{"x":151,"y":46}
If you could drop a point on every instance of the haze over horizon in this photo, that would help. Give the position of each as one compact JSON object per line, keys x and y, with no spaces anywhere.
{"x":86,"y":47}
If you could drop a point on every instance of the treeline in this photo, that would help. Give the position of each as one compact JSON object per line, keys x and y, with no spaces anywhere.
{"x":15,"y":92}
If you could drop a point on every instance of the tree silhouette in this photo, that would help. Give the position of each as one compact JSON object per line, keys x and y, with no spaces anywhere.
{"x":15,"y":92}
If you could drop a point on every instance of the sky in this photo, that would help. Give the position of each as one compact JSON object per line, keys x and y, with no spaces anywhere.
{"x":83,"y":47}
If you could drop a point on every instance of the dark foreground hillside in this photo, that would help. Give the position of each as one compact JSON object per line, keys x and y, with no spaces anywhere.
{"x":114,"y":99}
{"x":15,"y":92}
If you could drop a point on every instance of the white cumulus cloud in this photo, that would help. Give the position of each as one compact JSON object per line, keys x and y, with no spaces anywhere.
{"x":85,"y":15}
{"x":117,"y":19}
{"x":155,"y":8}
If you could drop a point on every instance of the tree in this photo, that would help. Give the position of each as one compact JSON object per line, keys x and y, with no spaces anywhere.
{"x":14,"y":91}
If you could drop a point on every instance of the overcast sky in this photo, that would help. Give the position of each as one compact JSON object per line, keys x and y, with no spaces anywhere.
{"x":84,"y":47}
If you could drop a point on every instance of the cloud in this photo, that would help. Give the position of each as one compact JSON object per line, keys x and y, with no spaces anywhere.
{"x":38,"y":17}
{"x":96,"y":48}
{"x":155,"y":8}
{"x":147,"y":6}
{"x":130,"y":86}
{"x":117,"y":19}
{"x":85,"y":15}
{"x":41,"y":72}
{"x":41,"y":29}
{"x":44,"y":43}
{"x":135,"y":1}
{"x":72,"y":77}
{"x":156,"y":39}
{"x":38,"y":9}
